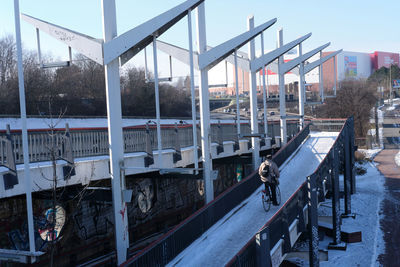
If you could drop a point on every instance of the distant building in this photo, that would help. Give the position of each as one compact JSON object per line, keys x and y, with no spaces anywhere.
{"x":349,"y":65}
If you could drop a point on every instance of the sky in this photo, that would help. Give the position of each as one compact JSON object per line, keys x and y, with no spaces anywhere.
{"x":362,"y":26}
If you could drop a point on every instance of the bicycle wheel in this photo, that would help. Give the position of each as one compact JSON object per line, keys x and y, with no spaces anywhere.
{"x":278,"y":195}
{"x":265,"y":201}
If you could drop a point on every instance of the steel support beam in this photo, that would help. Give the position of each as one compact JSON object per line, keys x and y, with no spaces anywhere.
{"x":264,"y":93}
{"x":263,"y":249}
{"x":313,"y":220}
{"x":204,"y":105}
{"x":215,"y":55}
{"x":22,"y":105}
{"x":114,"y":120}
{"x":128,"y":44}
{"x":321,"y":81}
{"x":302,"y":90}
{"x":192,"y":92}
{"x":258,"y":63}
{"x":336,"y":219}
{"x":157,"y":96}
{"x":84,"y":44}
{"x":288,"y":66}
{"x":347,"y":173}
{"x":253,"y":100}
{"x":316,"y":63}
{"x":282,"y":91}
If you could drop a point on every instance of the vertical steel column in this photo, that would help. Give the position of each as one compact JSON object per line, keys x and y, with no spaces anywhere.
{"x":321,"y":80}
{"x":313,"y":220}
{"x":352,"y":159}
{"x":38,"y":46}
{"x":335,"y":76}
{"x":193,"y":94}
{"x":301,"y":89}
{"x":237,"y":95}
{"x":334,"y":161}
{"x":157,"y":95}
{"x":204,"y":105}
{"x":253,"y":100}
{"x":264,"y":91}
{"x":146,"y":76}
{"x":263,"y":251}
{"x":266,"y":68}
{"x":282,"y":92}
{"x":22,"y":105}
{"x":242,"y":81}
{"x":347,"y":172}
{"x":114,"y":120}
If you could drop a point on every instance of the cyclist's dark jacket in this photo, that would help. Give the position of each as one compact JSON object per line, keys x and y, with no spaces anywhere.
{"x":273,"y":171}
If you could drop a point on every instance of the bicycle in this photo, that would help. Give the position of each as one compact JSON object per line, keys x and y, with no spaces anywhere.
{"x":266,"y":197}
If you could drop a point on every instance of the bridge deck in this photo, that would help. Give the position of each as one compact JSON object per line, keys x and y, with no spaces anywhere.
{"x":223,"y":240}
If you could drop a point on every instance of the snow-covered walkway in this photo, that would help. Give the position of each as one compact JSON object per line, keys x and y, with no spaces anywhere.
{"x":224,"y":239}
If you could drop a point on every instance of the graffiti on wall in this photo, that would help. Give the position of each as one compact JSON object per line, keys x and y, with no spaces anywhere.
{"x":93,"y":218}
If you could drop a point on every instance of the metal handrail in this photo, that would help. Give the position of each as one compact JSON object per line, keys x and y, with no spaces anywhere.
{"x":171,"y":244}
{"x":89,"y":142}
{"x":277,"y":226}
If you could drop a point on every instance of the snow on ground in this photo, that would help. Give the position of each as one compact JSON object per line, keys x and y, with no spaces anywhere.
{"x":225,"y":238}
{"x":43,"y":123}
{"x":397,"y":159}
{"x":366,"y":204}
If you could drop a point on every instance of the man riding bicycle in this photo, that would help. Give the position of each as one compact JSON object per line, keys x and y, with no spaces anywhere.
{"x":269,"y":174}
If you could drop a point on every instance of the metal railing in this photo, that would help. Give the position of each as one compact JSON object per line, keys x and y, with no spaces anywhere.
{"x":312,"y":191}
{"x":327,"y":125}
{"x":170,"y":245}
{"x":88,"y":142}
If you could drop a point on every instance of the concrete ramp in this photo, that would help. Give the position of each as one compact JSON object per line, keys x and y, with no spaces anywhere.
{"x":224,"y":239}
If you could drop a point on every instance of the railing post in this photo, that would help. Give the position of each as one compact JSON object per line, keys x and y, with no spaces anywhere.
{"x":149,"y":159}
{"x":262,"y":248}
{"x":353,"y":171}
{"x":347,"y":173}
{"x":220,"y":140}
{"x":336,"y":220}
{"x":69,"y":169}
{"x":236,"y":146}
{"x":10,"y":178}
{"x":313,"y":221}
{"x":177,"y":146}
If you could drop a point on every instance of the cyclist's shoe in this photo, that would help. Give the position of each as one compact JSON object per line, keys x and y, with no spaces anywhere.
{"x":275,"y":204}
{"x":263,"y":191}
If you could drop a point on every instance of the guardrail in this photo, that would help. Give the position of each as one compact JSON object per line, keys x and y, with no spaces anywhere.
{"x":88,"y":142}
{"x":299,"y":213}
{"x":160,"y":252}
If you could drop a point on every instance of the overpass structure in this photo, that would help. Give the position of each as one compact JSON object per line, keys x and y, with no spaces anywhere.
{"x":234,"y":229}
{"x":114,"y":50}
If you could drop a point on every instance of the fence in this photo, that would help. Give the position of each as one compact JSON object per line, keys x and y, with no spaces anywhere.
{"x":170,"y":245}
{"x":88,"y":142}
{"x":301,"y":208}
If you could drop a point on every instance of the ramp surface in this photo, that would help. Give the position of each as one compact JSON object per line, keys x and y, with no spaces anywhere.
{"x":230,"y":234}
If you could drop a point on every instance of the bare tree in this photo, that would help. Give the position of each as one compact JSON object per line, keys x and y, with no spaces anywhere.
{"x":7,"y":58}
{"x":354,"y":98}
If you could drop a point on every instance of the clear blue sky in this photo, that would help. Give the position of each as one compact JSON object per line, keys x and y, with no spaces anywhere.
{"x":363,"y":26}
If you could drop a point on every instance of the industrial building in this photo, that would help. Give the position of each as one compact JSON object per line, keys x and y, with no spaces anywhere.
{"x":349,"y":65}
